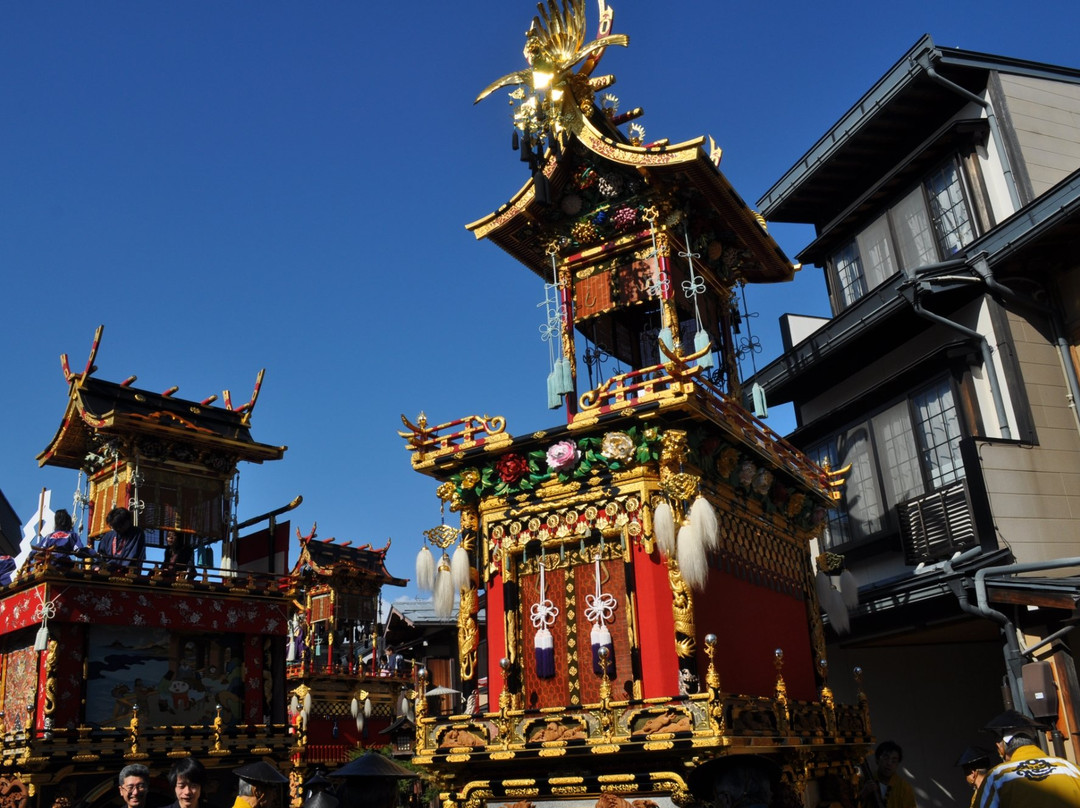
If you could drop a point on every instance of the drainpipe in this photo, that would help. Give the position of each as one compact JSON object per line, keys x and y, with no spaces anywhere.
{"x":991,"y":117}
{"x":1014,"y":656}
{"x":984,"y":347}
{"x":982,"y":268}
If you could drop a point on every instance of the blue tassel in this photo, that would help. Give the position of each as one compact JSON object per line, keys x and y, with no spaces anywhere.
{"x":702,"y":341}
{"x":544,"y":648}
{"x":554,"y":399}
{"x":761,"y":407}
{"x":565,"y":379}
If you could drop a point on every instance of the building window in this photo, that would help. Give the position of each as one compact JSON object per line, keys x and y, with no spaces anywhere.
{"x":908,"y":448}
{"x":931,"y":223}
{"x":850,"y":274}
{"x":949,"y":210}
{"x":939,"y":435}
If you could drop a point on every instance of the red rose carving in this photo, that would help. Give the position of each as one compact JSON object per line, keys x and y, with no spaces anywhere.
{"x":511,"y":468}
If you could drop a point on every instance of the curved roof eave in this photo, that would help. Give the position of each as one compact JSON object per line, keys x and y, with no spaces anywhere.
{"x":665,"y":161}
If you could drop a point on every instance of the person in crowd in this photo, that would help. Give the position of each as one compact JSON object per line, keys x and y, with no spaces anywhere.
{"x":134,"y":780}
{"x":188,"y":778}
{"x":738,"y":781}
{"x":1027,"y":777}
{"x":975,"y":762}
{"x":62,"y":543}
{"x":7,"y":569}
{"x":886,"y":788}
{"x":260,"y":786}
{"x":125,"y":544}
{"x":179,"y":556}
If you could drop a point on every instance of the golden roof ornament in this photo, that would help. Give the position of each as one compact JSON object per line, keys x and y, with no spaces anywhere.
{"x":558,"y":78}
{"x":555,"y":44}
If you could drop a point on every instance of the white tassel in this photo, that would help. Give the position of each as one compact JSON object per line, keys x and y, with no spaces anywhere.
{"x":838,"y":614}
{"x":367,"y":708}
{"x":354,"y":708}
{"x":444,"y":589}
{"x":832,"y":603}
{"x":693,"y":560}
{"x":849,"y":587}
{"x":359,"y":723}
{"x":425,"y":570}
{"x":823,"y":587}
{"x":664,"y":528}
{"x":703,"y":517}
{"x":460,"y":569}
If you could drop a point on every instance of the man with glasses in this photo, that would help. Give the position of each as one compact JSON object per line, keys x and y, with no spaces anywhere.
{"x":134,"y":785}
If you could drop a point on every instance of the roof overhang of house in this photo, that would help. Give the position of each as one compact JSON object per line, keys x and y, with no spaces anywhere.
{"x":1040,"y":238}
{"x":915,"y":98}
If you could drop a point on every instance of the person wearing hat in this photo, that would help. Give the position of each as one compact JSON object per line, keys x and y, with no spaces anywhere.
{"x":735,"y":781}
{"x":887,"y":789}
{"x":1026,"y":776}
{"x":260,"y":786}
{"x":371,"y":781}
{"x":975,"y":761}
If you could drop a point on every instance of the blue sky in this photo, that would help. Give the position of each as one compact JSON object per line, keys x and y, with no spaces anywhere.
{"x":229,"y":186}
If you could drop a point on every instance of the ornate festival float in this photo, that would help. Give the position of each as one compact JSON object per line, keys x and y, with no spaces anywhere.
{"x":106,"y":664}
{"x":644,"y":568}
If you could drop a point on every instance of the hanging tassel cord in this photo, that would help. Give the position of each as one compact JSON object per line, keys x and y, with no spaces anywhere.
{"x":600,"y":606}
{"x":543,"y":614}
{"x":696,"y":285}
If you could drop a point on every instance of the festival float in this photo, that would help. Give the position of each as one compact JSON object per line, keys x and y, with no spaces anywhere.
{"x":249,"y":659}
{"x":644,"y":567}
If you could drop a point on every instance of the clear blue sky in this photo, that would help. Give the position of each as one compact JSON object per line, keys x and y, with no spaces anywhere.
{"x":235,"y":185}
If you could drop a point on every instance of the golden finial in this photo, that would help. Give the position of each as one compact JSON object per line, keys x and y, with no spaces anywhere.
{"x":133,"y":728}
{"x":712,"y":678}
{"x":554,"y":46}
{"x":504,"y":694}
{"x":781,"y":691}
{"x":826,"y":691}
{"x":781,"y":686}
{"x":219,"y":725}
{"x":605,"y":680}
{"x":864,"y":702}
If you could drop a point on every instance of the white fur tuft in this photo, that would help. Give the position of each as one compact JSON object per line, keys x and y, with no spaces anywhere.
{"x":425,"y":570}
{"x":460,"y":569}
{"x":849,"y":586}
{"x":693,"y":560}
{"x":444,"y":589}
{"x":703,"y":517}
{"x":664,"y":528}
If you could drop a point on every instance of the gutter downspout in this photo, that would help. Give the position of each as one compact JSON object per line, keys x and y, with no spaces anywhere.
{"x":982,"y":268}
{"x":1014,"y":656}
{"x":991,"y":117}
{"x":984,"y":346}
